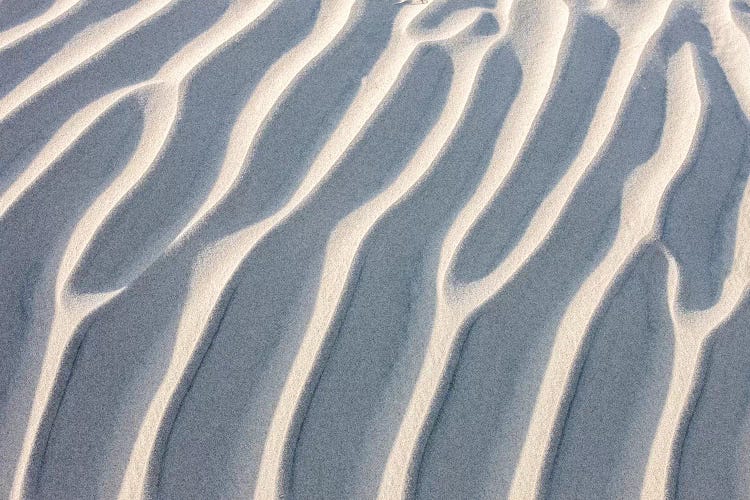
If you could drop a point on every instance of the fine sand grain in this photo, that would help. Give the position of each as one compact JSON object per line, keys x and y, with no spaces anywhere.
{"x":322,"y":249}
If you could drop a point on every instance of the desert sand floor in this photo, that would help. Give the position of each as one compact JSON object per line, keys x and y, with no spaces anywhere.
{"x":459,"y":249}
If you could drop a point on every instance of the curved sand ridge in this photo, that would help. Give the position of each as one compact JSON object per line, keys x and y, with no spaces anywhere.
{"x":352,"y":248}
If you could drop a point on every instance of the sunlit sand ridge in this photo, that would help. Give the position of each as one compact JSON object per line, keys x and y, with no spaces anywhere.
{"x":364,"y":248}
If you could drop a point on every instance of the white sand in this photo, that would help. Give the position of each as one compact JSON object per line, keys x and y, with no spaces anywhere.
{"x":364,"y":248}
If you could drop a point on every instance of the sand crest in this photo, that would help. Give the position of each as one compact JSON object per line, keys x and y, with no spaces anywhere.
{"x":374,"y":249}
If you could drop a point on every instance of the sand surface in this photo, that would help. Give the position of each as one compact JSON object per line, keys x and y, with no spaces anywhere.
{"x":324,"y":249}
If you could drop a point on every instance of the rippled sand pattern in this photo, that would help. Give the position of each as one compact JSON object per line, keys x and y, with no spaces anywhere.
{"x":458,"y":249}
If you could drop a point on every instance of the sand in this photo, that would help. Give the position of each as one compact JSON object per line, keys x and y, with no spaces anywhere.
{"x":442,"y":249}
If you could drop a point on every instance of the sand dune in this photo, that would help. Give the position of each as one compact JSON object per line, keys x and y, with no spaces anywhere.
{"x":365,"y":248}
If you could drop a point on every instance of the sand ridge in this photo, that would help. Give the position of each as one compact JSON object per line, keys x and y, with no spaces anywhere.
{"x":358,"y":248}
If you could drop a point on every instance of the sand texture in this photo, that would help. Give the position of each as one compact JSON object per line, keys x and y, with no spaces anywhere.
{"x":344,"y":249}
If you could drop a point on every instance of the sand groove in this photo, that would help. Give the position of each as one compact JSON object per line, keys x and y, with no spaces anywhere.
{"x":280,"y":248}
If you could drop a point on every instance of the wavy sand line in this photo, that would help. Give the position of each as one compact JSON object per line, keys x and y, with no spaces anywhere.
{"x":25,"y":29}
{"x":63,"y":140}
{"x":397,"y":481}
{"x":731,"y":48}
{"x":608,"y":110}
{"x":215,"y":269}
{"x":470,"y":297}
{"x":693,"y":331}
{"x":642,"y":202}
{"x":538,"y":33}
{"x":262,"y":102}
{"x":217,"y":266}
{"x":239,"y":16}
{"x":80,"y":51}
{"x":597,"y":137}
{"x":340,"y":256}
{"x":70,"y":310}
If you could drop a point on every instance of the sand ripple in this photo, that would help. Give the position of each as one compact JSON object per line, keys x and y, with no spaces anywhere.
{"x":358,"y":248}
